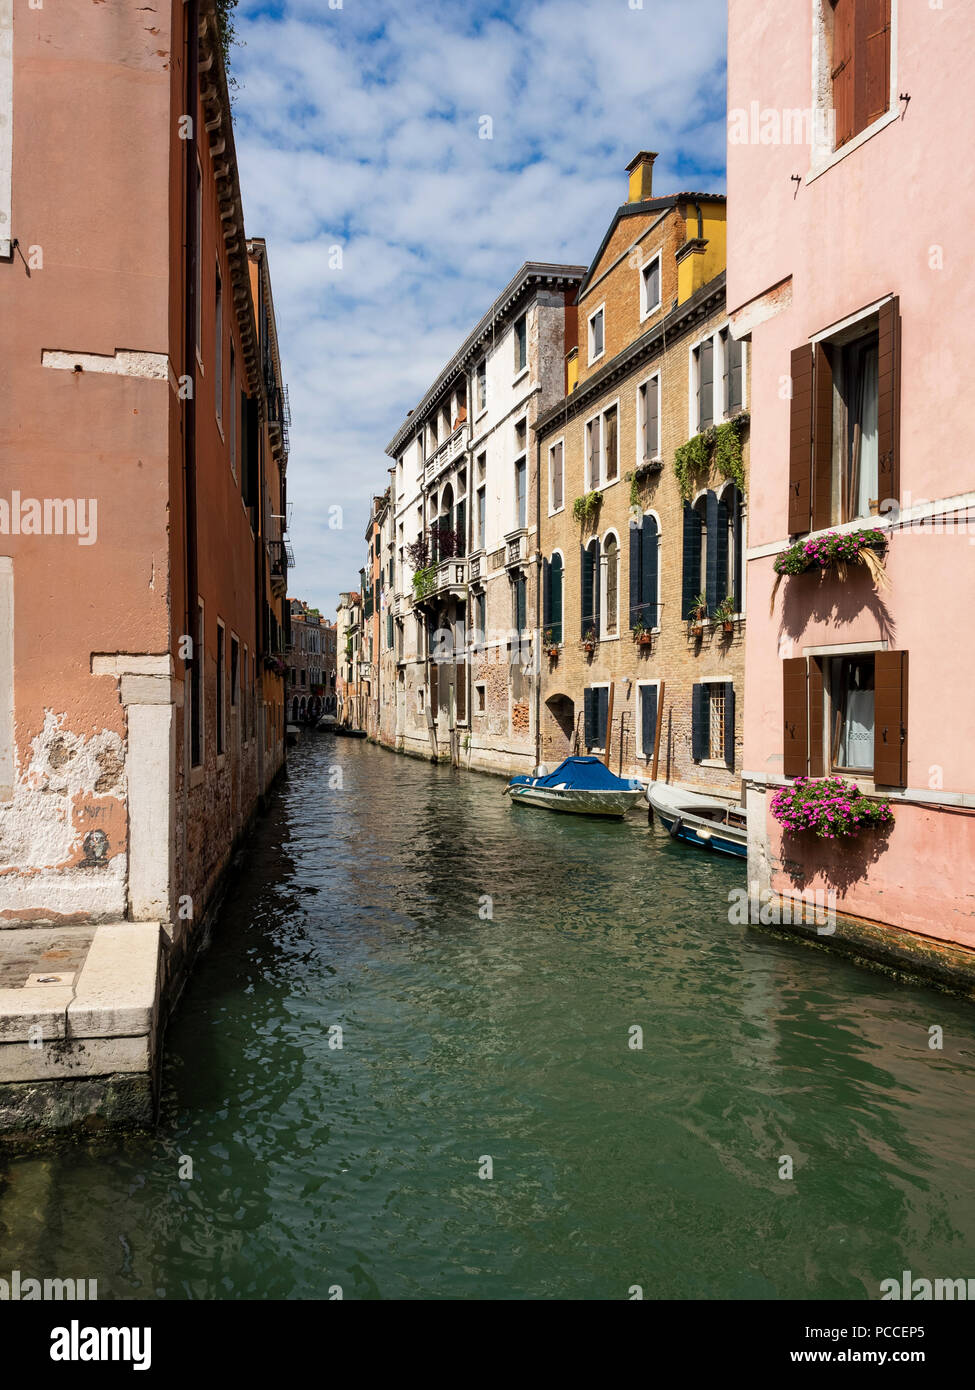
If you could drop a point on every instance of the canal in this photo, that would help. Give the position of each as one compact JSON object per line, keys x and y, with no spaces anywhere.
{"x":486,"y":966}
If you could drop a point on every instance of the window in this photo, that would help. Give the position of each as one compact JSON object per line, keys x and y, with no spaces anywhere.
{"x":611,"y":458}
{"x":480,"y":616}
{"x":519,"y":602}
{"x":555,"y":478}
{"x":221,"y":693}
{"x":851,"y":705}
{"x":611,"y":585}
{"x":596,"y":716}
{"x":521,"y":344}
{"x":233,"y":410}
{"x":648,"y":705}
{"x":650,"y":288}
{"x":859,"y":64}
{"x":703,"y":363}
{"x":480,"y":696}
{"x":196,"y":691}
{"x":732,"y":396}
{"x":481,"y":385}
{"x":234,"y":670}
{"x":648,"y":421}
{"x":713,"y":722}
{"x":844,"y":438}
{"x":521,"y":493}
{"x":602,"y":448}
{"x":481,"y":516}
{"x":597,"y":345}
{"x":552,"y":598}
{"x":589,"y":584}
{"x":218,"y":349}
{"x":846,"y":713}
{"x":712,"y":551}
{"x":645,"y":572}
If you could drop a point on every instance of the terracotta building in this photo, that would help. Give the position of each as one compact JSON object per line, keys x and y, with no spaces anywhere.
{"x":856,"y":306}
{"x":641,"y":595}
{"x":141,"y":469}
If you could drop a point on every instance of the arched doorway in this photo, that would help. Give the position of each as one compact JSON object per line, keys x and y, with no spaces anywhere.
{"x":558,"y":727}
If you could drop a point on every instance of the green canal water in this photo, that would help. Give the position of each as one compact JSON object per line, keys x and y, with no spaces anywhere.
{"x":465,"y":1037}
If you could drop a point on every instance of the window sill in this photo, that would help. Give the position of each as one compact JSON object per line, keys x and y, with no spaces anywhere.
{"x":714,"y":762}
{"x":598,"y":358}
{"x":520,"y":376}
{"x":196,"y":776}
{"x":558,"y":511}
{"x":650,"y":312}
{"x":835,"y":156}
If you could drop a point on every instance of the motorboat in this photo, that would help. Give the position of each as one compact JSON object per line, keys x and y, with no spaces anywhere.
{"x":705,"y":822}
{"x":581,"y":785}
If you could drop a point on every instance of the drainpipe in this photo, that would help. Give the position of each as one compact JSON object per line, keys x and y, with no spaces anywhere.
{"x":700,"y":222}
{"x":538,"y":597}
{"x":189,"y":322}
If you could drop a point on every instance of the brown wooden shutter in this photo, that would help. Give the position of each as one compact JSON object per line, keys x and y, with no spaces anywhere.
{"x":890,"y":719}
{"x":871,"y":63}
{"x":795,"y":718}
{"x":816,"y":716}
{"x":822,"y":450}
{"x":888,"y":400}
{"x":800,"y":441}
{"x":842,"y":71}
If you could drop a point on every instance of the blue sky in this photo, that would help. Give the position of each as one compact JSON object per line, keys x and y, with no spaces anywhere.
{"x":358,"y":128}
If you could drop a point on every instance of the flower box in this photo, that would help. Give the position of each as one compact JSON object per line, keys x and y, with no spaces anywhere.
{"x":829,"y":808}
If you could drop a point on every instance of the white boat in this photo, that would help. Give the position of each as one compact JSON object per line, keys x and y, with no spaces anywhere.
{"x":581,"y":786}
{"x":706,"y":822}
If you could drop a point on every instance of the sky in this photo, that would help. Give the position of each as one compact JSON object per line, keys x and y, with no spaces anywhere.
{"x":392,"y":223}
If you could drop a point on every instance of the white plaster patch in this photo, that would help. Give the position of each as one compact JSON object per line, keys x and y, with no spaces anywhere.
{"x":152,"y":366}
{"x":37,"y":832}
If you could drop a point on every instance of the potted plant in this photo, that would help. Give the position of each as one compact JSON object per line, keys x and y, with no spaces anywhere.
{"x":551,"y":646}
{"x":829,"y":807}
{"x":699,"y":612}
{"x":589,"y":639}
{"x":642,"y":635}
{"x":725,"y":613}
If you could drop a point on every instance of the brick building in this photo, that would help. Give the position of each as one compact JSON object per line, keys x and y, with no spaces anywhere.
{"x":311,"y":664}
{"x":641,"y":600}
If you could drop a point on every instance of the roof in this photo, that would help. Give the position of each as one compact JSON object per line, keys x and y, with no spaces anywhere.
{"x":540,"y":271}
{"x":634,"y":209}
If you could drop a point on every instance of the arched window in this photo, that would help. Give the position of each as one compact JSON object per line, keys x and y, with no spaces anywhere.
{"x":590,"y":587}
{"x":611,"y":585}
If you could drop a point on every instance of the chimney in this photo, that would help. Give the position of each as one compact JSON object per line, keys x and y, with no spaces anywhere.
{"x":640,"y":171}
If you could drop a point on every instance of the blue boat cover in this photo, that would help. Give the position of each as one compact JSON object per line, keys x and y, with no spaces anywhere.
{"x":581,"y":774}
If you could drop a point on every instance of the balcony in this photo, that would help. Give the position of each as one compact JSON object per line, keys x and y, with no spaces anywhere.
{"x":446,"y":580}
{"x":474,"y":567}
{"x":516,"y":546}
{"x":446,"y":454}
{"x":281,"y":558}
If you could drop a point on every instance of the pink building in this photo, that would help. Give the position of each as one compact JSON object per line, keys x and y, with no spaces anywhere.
{"x":849,"y":275}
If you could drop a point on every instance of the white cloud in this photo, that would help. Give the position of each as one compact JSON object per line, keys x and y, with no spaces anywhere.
{"x":358,"y":127}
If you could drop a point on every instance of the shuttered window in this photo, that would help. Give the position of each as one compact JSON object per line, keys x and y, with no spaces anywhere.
{"x":863,"y":722}
{"x":837,"y":477}
{"x":552,"y":598}
{"x":556,"y":475}
{"x":704,"y":358}
{"x":596,"y":715}
{"x":611,"y":443}
{"x":644,"y":572}
{"x":713,"y":722}
{"x":650,"y":417}
{"x":890,"y":719}
{"x":648,"y":719}
{"x":589,"y":587}
{"x":733,"y":390}
{"x":519,"y":602}
{"x":860,"y":65}
{"x":593,"y":452}
{"x":691,"y":574}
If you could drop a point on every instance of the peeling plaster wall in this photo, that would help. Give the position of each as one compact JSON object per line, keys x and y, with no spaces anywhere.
{"x":63,"y":836}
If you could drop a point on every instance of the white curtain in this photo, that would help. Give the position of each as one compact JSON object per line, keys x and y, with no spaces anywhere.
{"x":865,"y":498}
